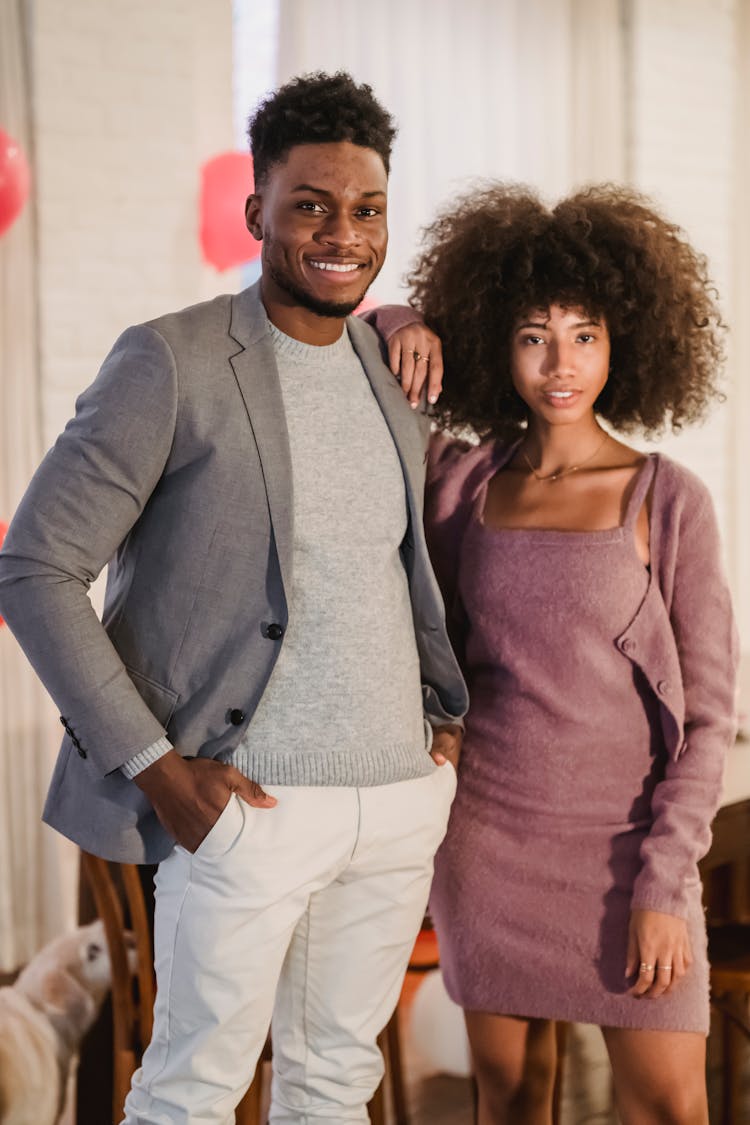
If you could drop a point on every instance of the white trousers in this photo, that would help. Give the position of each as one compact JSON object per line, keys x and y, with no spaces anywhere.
{"x":306,"y":912}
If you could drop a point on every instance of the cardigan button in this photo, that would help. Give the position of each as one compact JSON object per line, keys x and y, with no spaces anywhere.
{"x":663,"y":687}
{"x":628,"y":645}
{"x":236,"y":717}
{"x":274,"y":632}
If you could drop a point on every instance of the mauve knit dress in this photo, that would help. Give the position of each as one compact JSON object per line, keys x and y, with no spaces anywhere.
{"x":533,"y":882}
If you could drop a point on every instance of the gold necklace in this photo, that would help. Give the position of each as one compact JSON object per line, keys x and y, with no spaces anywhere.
{"x":566,"y":471}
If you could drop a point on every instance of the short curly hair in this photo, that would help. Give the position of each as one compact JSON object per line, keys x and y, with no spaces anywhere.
{"x":500,"y":253}
{"x":318,"y":109}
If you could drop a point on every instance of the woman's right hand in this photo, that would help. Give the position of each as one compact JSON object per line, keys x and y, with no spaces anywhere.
{"x":415,"y":355}
{"x":659,"y":952}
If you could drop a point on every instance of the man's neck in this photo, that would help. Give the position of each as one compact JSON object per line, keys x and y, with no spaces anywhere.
{"x":302,"y":324}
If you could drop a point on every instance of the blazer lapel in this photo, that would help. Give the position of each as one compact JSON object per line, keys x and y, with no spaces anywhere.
{"x":258,"y":379}
{"x":402,"y":421}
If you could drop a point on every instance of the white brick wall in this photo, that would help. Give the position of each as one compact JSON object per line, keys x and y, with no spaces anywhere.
{"x":130,"y":96}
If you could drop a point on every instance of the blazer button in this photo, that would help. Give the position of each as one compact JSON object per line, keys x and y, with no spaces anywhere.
{"x":81,"y":752}
{"x":236,"y":717}
{"x":274,"y":632}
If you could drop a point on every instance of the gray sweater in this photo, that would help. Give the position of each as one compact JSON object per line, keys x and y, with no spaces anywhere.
{"x":344,"y":703}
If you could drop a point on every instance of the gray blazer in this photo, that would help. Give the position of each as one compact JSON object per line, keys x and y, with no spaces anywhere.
{"x":176,"y":471}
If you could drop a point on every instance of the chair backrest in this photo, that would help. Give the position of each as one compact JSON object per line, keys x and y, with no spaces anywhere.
{"x":120,"y":903}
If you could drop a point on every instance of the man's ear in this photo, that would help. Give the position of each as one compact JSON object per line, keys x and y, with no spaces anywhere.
{"x":253,"y":208}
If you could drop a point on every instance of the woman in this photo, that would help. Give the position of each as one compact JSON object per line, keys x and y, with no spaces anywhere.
{"x":583,"y":583}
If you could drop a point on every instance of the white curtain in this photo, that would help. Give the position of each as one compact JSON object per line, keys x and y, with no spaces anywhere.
{"x":529,"y":90}
{"x":37,"y":874}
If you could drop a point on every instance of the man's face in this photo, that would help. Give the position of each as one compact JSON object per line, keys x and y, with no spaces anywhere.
{"x":321,"y":214}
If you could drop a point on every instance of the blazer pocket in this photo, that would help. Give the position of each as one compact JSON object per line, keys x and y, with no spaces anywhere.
{"x":161,"y":701}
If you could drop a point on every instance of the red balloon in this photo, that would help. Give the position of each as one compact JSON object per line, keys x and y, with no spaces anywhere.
{"x":3,"y":529}
{"x":15,"y":180}
{"x":226,"y":182}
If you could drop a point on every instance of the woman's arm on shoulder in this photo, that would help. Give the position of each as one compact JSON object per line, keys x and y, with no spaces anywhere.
{"x":415,"y":354}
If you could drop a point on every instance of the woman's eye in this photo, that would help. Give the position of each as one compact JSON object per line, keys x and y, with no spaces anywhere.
{"x":533,"y":340}
{"x":586,"y":337}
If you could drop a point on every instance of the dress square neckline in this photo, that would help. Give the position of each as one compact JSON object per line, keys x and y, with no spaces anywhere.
{"x":603,"y":535}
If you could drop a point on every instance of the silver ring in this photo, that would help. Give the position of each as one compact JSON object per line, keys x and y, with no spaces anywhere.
{"x":665,"y":968}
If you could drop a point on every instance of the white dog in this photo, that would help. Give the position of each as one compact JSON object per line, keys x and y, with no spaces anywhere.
{"x":43,"y":1018}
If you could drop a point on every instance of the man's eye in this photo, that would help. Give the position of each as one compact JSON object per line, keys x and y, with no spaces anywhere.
{"x":308,"y":205}
{"x":368,"y":212}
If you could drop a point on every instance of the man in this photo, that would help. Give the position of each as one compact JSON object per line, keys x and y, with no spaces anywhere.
{"x":252,"y":713}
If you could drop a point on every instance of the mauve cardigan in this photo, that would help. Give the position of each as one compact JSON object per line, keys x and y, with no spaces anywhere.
{"x":682,"y":638}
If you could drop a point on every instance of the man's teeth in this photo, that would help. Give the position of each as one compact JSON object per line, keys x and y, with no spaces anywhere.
{"x":335,"y":267}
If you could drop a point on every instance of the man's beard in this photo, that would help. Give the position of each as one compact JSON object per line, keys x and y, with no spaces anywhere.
{"x":300,"y":296}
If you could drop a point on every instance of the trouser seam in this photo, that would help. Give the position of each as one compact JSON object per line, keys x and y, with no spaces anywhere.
{"x":306,"y":994}
{"x":358,"y":829}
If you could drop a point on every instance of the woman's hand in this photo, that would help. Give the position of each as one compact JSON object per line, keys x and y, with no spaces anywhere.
{"x":446,"y":744}
{"x":416,"y":356}
{"x":659,"y":952}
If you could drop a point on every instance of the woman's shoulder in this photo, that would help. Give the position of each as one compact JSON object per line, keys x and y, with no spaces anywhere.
{"x":459,"y":457}
{"x":677,"y":484}
{"x":456,"y":467}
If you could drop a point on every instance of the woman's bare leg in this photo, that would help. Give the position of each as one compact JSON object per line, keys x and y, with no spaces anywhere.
{"x":514,"y":1065}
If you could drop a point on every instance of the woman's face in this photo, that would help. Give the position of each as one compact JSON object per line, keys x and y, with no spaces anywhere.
{"x":560,"y":362}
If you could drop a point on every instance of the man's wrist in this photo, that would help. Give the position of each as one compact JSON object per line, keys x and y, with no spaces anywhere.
{"x":145,"y":758}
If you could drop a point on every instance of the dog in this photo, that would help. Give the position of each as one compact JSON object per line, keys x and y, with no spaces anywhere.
{"x":44,"y":1016}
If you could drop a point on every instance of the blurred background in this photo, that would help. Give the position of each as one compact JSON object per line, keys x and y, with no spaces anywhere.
{"x":120,"y":106}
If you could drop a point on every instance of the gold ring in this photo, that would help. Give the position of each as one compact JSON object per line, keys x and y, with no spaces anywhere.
{"x":646,"y":968}
{"x":418,"y":356}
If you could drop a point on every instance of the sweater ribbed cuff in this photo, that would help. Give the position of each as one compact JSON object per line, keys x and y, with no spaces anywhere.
{"x":145,"y":758}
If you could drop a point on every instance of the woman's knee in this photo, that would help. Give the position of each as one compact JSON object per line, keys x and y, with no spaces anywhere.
{"x":677,"y":1105}
{"x":514,"y":1061}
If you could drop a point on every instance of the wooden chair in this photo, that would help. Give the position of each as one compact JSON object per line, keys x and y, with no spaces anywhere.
{"x":114,"y":887}
{"x":725,"y":872}
{"x":729,"y":957}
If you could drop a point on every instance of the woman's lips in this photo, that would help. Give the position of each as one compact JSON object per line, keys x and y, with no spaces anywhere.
{"x":560,"y":400}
